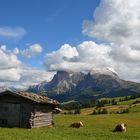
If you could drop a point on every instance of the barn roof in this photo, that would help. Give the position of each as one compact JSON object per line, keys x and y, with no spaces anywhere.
{"x":31,"y":96}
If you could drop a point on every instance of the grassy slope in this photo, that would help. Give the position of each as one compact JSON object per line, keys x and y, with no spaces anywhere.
{"x":97,"y":127}
{"x":112,"y":108}
{"x":128,"y":102}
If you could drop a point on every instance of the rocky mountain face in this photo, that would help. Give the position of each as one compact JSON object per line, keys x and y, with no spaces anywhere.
{"x":62,"y":82}
{"x":83,"y":86}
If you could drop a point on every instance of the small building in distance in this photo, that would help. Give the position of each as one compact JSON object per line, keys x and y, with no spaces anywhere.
{"x":26,"y":110}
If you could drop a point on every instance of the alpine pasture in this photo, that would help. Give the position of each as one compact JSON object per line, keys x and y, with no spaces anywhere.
{"x":96,"y":127}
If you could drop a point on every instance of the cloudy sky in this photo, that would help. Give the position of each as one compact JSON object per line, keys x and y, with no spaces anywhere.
{"x":39,"y":37}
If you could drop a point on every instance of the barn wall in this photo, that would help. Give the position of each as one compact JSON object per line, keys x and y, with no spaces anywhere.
{"x":25,"y":113}
{"x":19,"y":111}
{"x":43,"y":116}
{"x":9,"y":115}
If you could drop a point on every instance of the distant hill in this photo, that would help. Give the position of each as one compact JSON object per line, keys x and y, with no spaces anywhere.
{"x":83,"y":86}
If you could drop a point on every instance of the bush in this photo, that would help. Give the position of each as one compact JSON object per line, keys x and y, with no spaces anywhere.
{"x":136,"y":102}
{"x":94,"y":112}
{"x":123,"y":111}
{"x":104,"y":111}
{"x":100,"y":111}
{"x":114,"y":102}
{"x":77,"y":111}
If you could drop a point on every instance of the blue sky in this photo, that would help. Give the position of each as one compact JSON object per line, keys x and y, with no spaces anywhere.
{"x":40,"y":37}
{"x":50,"y":23}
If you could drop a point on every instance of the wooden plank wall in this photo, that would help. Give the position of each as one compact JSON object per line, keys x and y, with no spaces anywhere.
{"x":31,"y":114}
{"x":42,"y":116}
{"x":10,"y":113}
{"x":26,"y":110}
{"x":26,"y":115}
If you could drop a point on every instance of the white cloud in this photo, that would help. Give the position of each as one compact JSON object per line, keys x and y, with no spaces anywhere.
{"x":11,"y":74}
{"x":58,"y":57}
{"x":125,"y":54}
{"x":31,"y":76}
{"x":85,"y":56}
{"x":12,"y":32}
{"x":3,"y":47}
{"x":31,"y":51}
{"x":9,"y":66}
{"x":14,"y":73}
{"x":27,"y":76}
{"x":8,"y":60}
{"x":118,"y":22}
{"x":16,"y":51}
{"x":115,"y":21}
{"x":88,"y":55}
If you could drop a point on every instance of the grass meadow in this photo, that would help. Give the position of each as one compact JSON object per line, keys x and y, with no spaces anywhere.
{"x":96,"y":127}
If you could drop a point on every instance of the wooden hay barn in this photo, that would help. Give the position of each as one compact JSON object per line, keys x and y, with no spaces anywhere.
{"x":25,"y":110}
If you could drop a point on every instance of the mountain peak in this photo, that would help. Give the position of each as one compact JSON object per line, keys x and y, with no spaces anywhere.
{"x":82,"y":85}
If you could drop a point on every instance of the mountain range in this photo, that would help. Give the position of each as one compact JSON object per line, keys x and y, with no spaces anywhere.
{"x":94,"y":84}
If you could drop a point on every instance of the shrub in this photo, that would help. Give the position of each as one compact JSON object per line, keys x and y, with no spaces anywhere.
{"x":77,"y":111}
{"x":123,"y":111}
{"x":114,"y":102}
{"x":136,"y":102}
{"x":100,"y":111}
{"x":104,"y":111}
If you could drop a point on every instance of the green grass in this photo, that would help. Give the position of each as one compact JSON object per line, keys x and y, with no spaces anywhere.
{"x":96,"y":127}
{"x":128,"y":102}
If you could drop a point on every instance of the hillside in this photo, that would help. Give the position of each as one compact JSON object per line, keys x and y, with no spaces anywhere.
{"x":83,"y":86}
